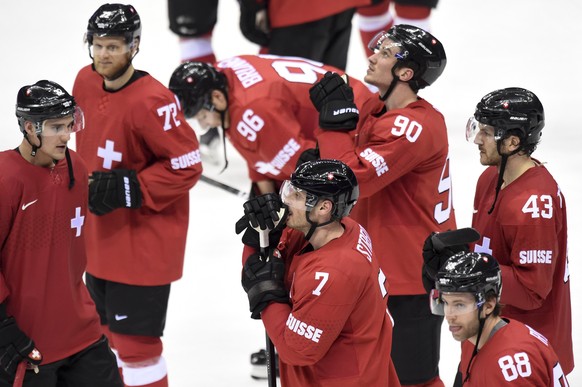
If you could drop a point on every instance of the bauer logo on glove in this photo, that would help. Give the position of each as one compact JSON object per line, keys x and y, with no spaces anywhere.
{"x":118,"y":188}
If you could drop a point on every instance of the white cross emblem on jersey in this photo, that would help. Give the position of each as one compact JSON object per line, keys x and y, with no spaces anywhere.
{"x":78,"y":221}
{"x":108,"y":154}
{"x":264,"y":168}
{"x":484,"y":248}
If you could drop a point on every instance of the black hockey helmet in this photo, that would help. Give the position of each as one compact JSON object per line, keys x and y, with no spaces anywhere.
{"x":193,"y":83}
{"x":420,"y":51}
{"x":114,"y":20}
{"x":328,"y":179}
{"x":469,"y":272}
{"x":45,"y":100}
{"x":512,"y":110}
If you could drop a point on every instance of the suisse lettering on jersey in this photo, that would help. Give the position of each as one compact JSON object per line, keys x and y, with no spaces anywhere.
{"x":275,"y":166}
{"x":364,"y":245}
{"x":245,"y":72}
{"x":535,"y":256}
{"x":285,"y":154}
{"x":303,"y":329}
{"x":376,"y":160}
{"x":187,"y":160}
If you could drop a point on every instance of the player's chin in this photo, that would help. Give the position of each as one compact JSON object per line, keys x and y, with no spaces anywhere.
{"x":59,"y":153}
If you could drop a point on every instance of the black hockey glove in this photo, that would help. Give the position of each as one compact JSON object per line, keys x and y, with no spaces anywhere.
{"x":15,"y":345}
{"x":262,"y":279}
{"x":118,"y":188}
{"x":249,"y":24}
{"x":310,"y":154}
{"x":434,"y":258}
{"x":334,"y":99}
{"x":262,"y":212}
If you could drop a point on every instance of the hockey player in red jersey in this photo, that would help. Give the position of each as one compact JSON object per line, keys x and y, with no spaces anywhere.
{"x":520,"y":212}
{"x":320,"y":293}
{"x":400,"y":154}
{"x":144,"y":159}
{"x":263,"y":104}
{"x":48,"y":321}
{"x":379,"y":16}
{"x":496,"y":351}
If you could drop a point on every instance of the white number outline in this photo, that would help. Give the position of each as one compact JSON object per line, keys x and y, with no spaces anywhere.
{"x":250,"y":125}
{"x":442,"y":215}
{"x":532,"y":207}
{"x":518,"y":364}
{"x":324,"y":277}
{"x":170,"y":114}
{"x":405,"y":126}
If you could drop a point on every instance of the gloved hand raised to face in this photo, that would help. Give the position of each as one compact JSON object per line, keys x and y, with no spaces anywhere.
{"x":434,"y":258}
{"x":262,"y":212}
{"x":262,"y":280}
{"x":15,"y":345}
{"x":118,"y":188}
{"x":334,"y":100}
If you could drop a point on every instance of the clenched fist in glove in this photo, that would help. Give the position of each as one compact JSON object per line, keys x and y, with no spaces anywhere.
{"x":118,"y":188}
{"x":15,"y":345}
{"x":334,"y":100}
{"x":435,"y":255}
{"x":262,"y":279}
{"x":262,"y":212}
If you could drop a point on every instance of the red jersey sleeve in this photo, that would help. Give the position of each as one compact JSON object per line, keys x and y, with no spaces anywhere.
{"x":390,"y":145}
{"x":174,"y":149}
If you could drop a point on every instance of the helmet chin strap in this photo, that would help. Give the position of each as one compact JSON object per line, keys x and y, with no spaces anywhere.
{"x":314,"y":225}
{"x":502,"y":165}
{"x":476,"y":349}
{"x":34,"y":147}
{"x":222,"y":117}
{"x":393,"y":84}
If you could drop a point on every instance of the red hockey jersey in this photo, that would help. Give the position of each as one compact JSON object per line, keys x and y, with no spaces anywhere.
{"x":527,"y":233}
{"x":272,"y":119}
{"x":516,"y":355}
{"x":401,"y":160}
{"x":338,"y":331}
{"x":138,"y":127}
{"x":42,"y":261}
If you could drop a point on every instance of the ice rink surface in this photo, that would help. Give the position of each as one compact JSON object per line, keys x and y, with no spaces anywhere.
{"x":490,"y":44}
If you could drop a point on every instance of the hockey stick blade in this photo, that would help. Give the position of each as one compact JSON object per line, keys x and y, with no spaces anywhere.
{"x":225,"y":187}
{"x":461,"y":236}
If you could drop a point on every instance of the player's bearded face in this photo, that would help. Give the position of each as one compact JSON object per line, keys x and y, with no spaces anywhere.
{"x":485,"y":140}
{"x":461,"y":313}
{"x":110,"y":55}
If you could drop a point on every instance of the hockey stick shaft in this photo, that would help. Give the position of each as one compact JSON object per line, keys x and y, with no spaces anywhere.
{"x":271,"y":375}
{"x":19,"y":377}
{"x":225,"y":187}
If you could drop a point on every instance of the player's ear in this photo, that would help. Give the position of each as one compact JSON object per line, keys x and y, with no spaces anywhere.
{"x":219,"y":100}
{"x":29,"y":128}
{"x":489,"y":306}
